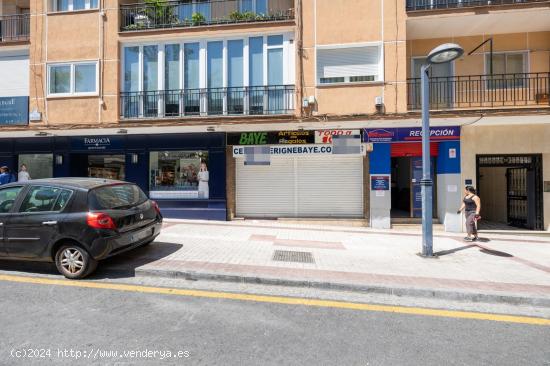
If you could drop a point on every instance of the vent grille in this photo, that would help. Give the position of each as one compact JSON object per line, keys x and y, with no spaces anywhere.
{"x":292,"y":256}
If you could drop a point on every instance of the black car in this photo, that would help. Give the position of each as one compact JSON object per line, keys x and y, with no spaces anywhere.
{"x":74,"y":222}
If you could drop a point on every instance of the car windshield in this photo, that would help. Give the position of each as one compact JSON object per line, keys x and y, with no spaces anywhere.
{"x":114,"y":197}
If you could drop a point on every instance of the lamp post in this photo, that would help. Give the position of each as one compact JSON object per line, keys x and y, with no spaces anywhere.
{"x":441,"y":54}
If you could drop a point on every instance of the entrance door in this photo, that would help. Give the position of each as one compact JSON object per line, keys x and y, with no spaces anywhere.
{"x":106,"y":166}
{"x":510,"y":188}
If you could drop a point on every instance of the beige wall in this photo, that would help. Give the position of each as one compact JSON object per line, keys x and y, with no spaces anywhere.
{"x":506,"y":139}
{"x":538,"y":45}
{"x":356,"y":21}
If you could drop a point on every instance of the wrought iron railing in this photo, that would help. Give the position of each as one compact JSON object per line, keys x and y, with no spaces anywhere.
{"x":189,"y":13}
{"x":483,"y":91}
{"x":253,"y":100}
{"x":14,"y":28}
{"x":453,"y":4}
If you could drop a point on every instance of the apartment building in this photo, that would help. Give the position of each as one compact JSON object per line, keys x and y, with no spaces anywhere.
{"x":297,"y":108}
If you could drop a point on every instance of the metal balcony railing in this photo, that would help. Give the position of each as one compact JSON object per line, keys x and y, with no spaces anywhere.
{"x":483,"y":91}
{"x":14,"y":28}
{"x":253,"y":100}
{"x":189,"y":13}
{"x":453,"y":4}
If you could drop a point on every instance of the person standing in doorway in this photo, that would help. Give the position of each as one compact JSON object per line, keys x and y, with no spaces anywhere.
{"x":203,"y":177}
{"x":471,"y":204}
{"x":23,"y":175}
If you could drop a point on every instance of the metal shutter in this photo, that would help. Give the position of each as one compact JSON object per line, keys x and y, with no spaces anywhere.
{"x":14,"y":73}
{"x":350,"y":61}
{"x":330,"y":186}
{"x":326,"y":186}
{"x":265,"y":190}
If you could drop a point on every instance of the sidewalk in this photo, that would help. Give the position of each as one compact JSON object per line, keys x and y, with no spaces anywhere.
{"x":502,"y":268}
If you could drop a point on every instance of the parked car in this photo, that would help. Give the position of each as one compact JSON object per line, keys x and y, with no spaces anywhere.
{"x":74,"y":222}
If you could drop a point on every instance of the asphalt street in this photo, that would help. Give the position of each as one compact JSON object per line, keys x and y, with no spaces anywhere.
{"x":130,"y":326}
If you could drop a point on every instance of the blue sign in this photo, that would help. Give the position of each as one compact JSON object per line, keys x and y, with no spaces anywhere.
{"x":410,"y":134}
{"x":380,"y":182}
{"x":97,"y":143}
{"x":14,"y":110}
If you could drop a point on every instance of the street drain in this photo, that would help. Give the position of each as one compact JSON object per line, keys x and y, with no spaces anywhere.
{"x":292,"y":256}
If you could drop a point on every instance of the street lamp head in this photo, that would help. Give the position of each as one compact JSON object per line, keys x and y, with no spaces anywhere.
{"x":445,"y":53}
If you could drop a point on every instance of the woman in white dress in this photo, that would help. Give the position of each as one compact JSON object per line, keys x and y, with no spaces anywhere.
{"x":203,"y":178}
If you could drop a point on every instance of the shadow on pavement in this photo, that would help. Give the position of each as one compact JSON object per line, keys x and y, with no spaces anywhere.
{"x":121,"y":266}
{"x":454,"y":250}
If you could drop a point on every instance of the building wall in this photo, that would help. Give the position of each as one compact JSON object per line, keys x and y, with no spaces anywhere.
{"x":346,"y":23}
{"x":506,"y":139}
{"x":538,"y":45}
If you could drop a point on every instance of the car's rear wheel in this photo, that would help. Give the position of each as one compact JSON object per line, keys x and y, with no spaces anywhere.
{"x":74,"y":262}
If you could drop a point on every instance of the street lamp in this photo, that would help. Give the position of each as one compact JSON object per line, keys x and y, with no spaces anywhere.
{"x":441,"y":54}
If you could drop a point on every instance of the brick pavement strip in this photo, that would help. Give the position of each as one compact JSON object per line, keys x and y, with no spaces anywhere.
{"x":350,"y":259}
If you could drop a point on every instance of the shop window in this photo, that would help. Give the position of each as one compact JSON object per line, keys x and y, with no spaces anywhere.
{"x":37,"y":166}
{"x":349,"y":64}
{"x":179,"y":174}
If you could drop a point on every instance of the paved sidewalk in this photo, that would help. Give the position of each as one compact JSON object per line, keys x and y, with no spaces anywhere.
{"x":502,"y":268}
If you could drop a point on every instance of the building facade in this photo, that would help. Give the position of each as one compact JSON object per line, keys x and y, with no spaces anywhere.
{"x":297,"y":108}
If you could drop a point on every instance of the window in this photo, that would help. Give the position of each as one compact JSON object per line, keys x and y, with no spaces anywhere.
{"x":7,"y":198}
{"x":38,"y":165}
{"x":253,"y":6}
{"x":117,"y":196}
{"x":508,"y":69}
{"x":256,"y":61}
{"x":349,"y":64}
{"x":215,"y":77}
{"x":72,"y":79}
{"x":177,"y":174}
{"x":45,"y":199}
{"x":186,"y":9}
{"x":71,"y":5}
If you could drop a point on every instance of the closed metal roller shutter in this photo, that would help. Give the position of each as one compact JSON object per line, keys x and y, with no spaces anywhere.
{"x":325,"y":186}
{"x":14,"y":73}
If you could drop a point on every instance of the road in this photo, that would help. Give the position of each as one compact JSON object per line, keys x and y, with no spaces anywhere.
{"x":40,"y":312}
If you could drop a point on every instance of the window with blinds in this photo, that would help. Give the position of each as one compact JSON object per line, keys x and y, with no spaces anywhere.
{"x":349,"y":64}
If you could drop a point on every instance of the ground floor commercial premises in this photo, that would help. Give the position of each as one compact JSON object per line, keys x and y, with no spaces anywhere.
{"x":165,"y":166}
{"x":508,"y":160}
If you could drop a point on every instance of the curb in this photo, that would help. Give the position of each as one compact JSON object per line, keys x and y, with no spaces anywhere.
{"x":374,"y":288}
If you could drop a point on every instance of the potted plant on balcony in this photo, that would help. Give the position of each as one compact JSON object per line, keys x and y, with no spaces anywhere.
{"x":159,"y":13}
{"x":198,"y":18}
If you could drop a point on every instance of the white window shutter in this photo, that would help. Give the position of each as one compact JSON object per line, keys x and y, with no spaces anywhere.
{"x":350,"y":61}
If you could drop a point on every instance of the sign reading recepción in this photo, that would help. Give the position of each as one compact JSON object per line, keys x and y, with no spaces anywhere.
{"x":380,"y":182}
{"x":14,"y":110}
{"x":410,"y":134}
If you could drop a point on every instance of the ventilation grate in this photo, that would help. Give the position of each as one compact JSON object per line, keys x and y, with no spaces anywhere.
{"x":292,"y":256}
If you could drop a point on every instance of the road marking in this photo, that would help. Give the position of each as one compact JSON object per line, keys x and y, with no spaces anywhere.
{"x":280,"y":300}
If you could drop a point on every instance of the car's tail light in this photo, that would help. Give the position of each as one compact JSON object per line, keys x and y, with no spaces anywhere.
{"x":99,"y":220}
{"x":156,"y":206}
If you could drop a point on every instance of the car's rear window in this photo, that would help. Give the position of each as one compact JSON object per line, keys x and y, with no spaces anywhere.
{"x":114,"y":197}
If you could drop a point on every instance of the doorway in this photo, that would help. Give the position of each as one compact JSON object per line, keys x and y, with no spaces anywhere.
{"x":510,"y":187}
{"x":107,"y":166}
{"x":406,"y":192}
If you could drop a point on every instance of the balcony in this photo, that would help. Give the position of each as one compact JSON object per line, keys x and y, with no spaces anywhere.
{"x":187,"y":13}
{"x":14,"y":28}
{"x":415,"y":5}
{"x":240,"y":101}
{"x":483,"y":91}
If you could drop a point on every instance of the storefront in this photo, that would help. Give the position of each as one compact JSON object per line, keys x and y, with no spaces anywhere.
{"x":184,"y":173}
{"x":396,"y":171}
{"x":298,"y":174}
{"x":508,"y":161}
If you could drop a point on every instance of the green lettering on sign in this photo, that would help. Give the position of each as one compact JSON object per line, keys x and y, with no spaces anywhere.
{"x":253,"y":138}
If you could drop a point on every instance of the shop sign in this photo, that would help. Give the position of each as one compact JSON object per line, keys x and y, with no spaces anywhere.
{"x":271,"y":138}
{"x":325,"y":136}
{"x":380,"y":182}
{"x":313,"y":149}
{"x":97,"y":143}
{"x":14,"y":110}
{"x":410,"y":134}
